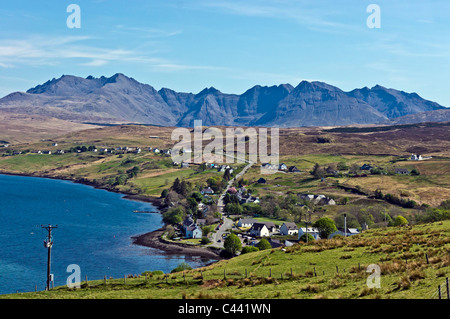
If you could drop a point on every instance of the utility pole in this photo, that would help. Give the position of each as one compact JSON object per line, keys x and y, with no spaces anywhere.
{"x":345,"y":225}
{"x":48,"y":244}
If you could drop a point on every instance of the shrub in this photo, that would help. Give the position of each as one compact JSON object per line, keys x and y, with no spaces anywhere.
{"x":303,"y":238}
{"x":249,"y":249}
{"x":205,"y":241}
{"x":263,"y":244}
{"x":400,"y":221}
{"x":181,"y":267}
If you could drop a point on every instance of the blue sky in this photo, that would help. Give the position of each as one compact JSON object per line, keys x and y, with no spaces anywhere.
{"x":188,"y":45}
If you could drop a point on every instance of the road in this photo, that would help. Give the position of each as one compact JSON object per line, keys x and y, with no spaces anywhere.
{"x":227,"y":223}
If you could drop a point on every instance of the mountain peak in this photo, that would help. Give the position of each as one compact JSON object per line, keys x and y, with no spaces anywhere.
{"x":120,"y":98}
{"x":210,"y":90}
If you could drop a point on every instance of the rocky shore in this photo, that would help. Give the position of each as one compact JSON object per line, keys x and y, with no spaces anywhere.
{"x":154,"y":240}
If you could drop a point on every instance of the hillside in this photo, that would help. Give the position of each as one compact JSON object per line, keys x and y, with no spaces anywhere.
{"x":413,"y":262}
{"x":121,"y":99}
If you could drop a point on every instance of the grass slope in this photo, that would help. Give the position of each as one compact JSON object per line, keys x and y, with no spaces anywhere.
{"x":413,"y":262}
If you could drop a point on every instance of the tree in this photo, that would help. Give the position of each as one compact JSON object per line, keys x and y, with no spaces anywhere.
{"x":164,"y":193}
{"x":173,"y":215}
{"x":198,"y":196}
{"x":318,"y":172}
{"x":232,"y":244}
{"x":170,"y":231}
{"x":176,"y":185}
{"x":325,"y":226}
{"x":227,"y":175}
{"x":233,"y":209}
{"x":133,"y":172}
{"x":400,"y":221}
{"x":352,"y":221}
{"x":263,"y":244}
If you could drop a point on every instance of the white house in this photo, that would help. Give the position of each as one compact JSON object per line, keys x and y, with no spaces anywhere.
{"x":193,"y":232}
{"x":246,"y":222}
{"x":259,"y":230}
{"x":311,"y":230}
{"x":350,"y":232}
{"x":288,"y":229}
{"x":208,"y":191}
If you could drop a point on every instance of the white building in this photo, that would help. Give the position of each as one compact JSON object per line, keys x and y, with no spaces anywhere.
{"x":259,"y":230}
{"x":288,"y":229}
{"x":310,"y":230}
{"x":246,"y":222}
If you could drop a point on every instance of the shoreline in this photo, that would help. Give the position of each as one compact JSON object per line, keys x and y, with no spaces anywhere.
{"x":151,"y":239}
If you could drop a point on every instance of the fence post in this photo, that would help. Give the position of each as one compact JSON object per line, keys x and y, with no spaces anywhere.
{"x":315,"y":275}
{"x":448,"y":292}
{"x":224,"y":274}
{"x":337,"y":268}
{"x":439,"y":290}
{"x":426,"y":256}
{"x":270,"y":272}
{"x":86,"y":280}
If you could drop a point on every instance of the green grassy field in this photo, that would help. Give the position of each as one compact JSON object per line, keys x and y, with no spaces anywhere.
{"x":413,"y":261}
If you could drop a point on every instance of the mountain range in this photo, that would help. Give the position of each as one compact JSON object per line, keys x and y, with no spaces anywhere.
{"x":121,"y":99}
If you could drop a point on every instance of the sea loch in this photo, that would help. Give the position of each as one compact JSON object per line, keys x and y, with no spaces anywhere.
{"x":94,"y":232}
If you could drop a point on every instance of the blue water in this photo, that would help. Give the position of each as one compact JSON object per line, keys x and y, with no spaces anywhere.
{"x":94,"y":232}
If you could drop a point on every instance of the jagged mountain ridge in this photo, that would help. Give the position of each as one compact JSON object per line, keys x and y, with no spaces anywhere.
{"x":121,"y":99}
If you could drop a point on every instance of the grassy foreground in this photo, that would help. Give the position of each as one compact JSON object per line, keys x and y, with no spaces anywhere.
{"x":413,"y":262}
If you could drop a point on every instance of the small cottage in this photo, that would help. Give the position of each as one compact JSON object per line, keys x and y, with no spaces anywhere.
{"x":259,"y":230}
{"x":288,"y":229}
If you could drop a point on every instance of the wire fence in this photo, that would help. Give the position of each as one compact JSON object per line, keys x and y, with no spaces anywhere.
{"x":442,"y":291}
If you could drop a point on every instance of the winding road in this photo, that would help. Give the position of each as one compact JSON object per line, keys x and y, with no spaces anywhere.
{"x":217,"y":238}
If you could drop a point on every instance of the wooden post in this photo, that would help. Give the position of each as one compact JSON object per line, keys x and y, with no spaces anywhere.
{"x":104,"y":279}
{"x":86,"y":280}
{"x":270,"y":272}
{"x":426,"y":256}
{"x":448,"y":292}
{"x":439,"y":290}
{"x":337,"y":269}
{"x":315,"y":275}
{"x":224,"y":274}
